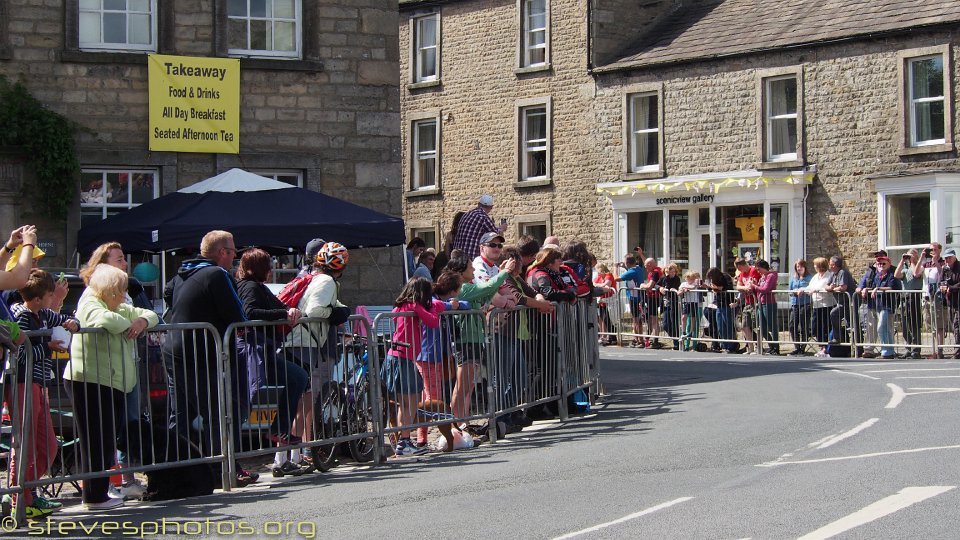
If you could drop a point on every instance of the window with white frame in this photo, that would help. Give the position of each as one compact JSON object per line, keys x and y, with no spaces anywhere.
{"x":427,"y":234}
{"x":425,"y":138}
{"x":294,"y":178}
{"x":126,"y":25}
{"x":780,"y":118}
{"x":918,"y":209}
{"x":105,"y":192}
{"x":264,"y":28}
{"x":926,"y":89}
{"x":533,"y":33}
{"x":426,"y":48}
{"x":536,"y":229}
{"x":535,"y":143}
{"x":644,"y":132}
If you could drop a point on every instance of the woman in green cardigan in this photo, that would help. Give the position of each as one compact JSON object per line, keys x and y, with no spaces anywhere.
{"x":101,"y":371}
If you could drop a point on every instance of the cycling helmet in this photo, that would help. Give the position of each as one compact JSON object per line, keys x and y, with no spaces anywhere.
{"x":333,"y":256}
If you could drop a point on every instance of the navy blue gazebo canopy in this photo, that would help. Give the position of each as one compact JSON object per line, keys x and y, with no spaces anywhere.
{"x":258,"y":211}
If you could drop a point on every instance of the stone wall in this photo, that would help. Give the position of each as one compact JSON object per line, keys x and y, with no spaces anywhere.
{"x":333,"y":115}
{"x":477,"y":100}
{"x":851,"y":132}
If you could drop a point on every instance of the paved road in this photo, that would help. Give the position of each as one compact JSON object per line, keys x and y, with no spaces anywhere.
{"x":702,"y":446}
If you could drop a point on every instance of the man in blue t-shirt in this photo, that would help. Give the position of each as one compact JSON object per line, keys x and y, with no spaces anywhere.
{"x":632,"y":277}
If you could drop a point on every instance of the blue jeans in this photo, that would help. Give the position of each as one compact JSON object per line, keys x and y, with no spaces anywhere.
{"x":885,"y":331}
{"x":295,"y":381}
{"x":726,"y":330}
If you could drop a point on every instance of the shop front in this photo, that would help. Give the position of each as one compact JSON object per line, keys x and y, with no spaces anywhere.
{"x":708,"y":220}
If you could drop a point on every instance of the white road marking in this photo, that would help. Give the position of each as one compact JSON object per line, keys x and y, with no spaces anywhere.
{"x":883,"y":363}
{"x":641,"y":513}
{"x":834,"y":440}
{"x":932,"y":377}
{"x":918,"y":369}
{"x":884,"y":507}
{"x":857,"y":374}
{"x":896,"y":398}
{"x":778,"y":463}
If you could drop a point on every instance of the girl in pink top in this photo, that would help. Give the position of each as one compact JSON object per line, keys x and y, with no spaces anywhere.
{"x":398,"y":372}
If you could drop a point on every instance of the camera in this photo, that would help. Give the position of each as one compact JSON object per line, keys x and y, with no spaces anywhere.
{"x":927,"y":252}
{"x":906,"y":256}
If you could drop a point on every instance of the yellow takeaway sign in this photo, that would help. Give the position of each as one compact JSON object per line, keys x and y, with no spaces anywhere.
{"x":194,"y":104}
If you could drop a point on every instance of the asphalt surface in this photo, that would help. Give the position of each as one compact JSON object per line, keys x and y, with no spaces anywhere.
{"x":693,"y":446}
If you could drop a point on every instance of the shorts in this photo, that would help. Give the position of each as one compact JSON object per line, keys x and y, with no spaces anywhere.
{"x":690,"y":308}
{"x":748,"y":316}
{"x":653,"y":306}
{"x":400,"y":376}
{"x":634,"y":306}
{"x":469,"y":353}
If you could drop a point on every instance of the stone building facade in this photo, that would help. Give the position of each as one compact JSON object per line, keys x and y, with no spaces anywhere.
{"x":682,"y":127}
{"x":319,"y":104}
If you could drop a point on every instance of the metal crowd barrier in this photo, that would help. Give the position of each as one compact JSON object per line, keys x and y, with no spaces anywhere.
{"x":202,"y":398}
{"x":89,"y":423}
{"x":312,"y":391}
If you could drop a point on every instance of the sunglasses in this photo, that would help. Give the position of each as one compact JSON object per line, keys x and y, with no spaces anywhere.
{"x":494,"y":245}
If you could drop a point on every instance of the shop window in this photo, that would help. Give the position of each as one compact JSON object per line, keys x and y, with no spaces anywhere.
{"x":534,"y":33}
{"x":425,"y":162}
{"x":426,"y":48}
{"x":644,"y":135}
{"x":908,"y":219}
{"x":117,"y":25}
{"x":294,"y":178}
{"x":106,"y":192}
{"x":534,"y":134}
{"x":266,"y":28}
{"x":780,"y":110}
{"x":645,"y":229}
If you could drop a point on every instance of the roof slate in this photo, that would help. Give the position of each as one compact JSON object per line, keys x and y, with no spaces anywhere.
{"x":717,"y":28}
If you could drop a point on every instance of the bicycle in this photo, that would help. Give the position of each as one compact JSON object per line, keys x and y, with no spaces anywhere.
{"x":345,"y":407}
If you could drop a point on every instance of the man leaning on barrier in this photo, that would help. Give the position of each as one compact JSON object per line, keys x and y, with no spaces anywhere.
{"x":950,"y":288}
{"x":203,"y":291}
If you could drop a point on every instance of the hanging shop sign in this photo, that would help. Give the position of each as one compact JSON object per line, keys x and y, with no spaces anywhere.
{"x":194,"y":104}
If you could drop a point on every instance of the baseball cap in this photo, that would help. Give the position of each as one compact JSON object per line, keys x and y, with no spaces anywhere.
{"x":490,"y":237}
{"x":486,"y":200}
{"x":950,"y":253}
{"x":312,"y":248}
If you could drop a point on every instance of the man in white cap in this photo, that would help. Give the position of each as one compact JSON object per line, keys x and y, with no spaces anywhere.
{"x":473,"y":225}
{"x":950,"y":289}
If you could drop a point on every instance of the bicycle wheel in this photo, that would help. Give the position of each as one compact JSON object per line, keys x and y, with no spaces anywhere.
{"x":361,"y":420}
{"x":327,"y":415}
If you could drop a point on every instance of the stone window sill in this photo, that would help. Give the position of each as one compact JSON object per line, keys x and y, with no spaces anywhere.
{"x":533,"y":69}
{"x":929,"y":149}
{"x":421,"y":193}
{"x":645,"y":175}
{"x":785,"y":164}
{"x":421,"y":85}
{"x":105,"y":57}
{"x":540,"y":182}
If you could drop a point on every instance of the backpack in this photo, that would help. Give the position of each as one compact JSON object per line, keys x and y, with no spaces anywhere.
{"x":291,"y":294}
{"x":579,"y":286}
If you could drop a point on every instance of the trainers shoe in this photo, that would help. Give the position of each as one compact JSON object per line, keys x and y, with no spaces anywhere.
{"x":44,"y":503}
{"x":111,"y":502}
{"x":132,"y":490}
{"x":245,"y":478}
{"x":32,"y":512}
{"x":406,"y":448}
{"x":287,"y":469}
